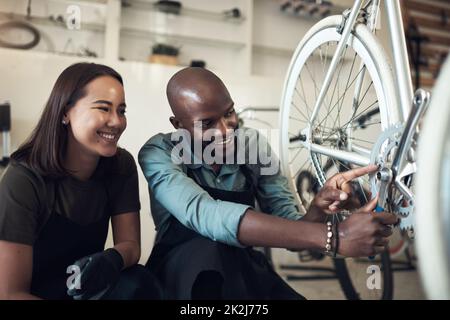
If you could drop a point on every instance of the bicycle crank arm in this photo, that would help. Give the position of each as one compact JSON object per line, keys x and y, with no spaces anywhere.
{"x":403,"y":155}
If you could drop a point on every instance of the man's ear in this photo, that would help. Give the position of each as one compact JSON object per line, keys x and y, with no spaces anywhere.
{"x":175,"y":123}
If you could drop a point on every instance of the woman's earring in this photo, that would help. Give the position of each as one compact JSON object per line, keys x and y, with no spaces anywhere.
{"x":64,"y":122}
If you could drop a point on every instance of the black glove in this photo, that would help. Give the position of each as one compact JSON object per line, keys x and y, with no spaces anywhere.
{"x":98,"y":273}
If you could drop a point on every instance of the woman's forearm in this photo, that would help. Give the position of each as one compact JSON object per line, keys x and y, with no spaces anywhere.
{"x":19,"y":296}
{"x":130,"y":252}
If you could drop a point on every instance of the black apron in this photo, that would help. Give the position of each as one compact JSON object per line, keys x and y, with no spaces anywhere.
{"x":60,"y":243}
{"x":182,"y":254}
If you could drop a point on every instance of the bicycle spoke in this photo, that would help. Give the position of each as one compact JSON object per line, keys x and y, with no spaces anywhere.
{"x":346,"y":86}
{"x":360,"y":102}
{"x":353,"y":118}
{"x":296,"y":119}
{"x":334,"y":106}
{"x":336,"y":82}
{"x":304,"y":101}
{"x":296,"y":108}
{"x":300,"y":170}
{"x":366,"y":124}
{"x":298,"y":152}
{"x":308,"y":110}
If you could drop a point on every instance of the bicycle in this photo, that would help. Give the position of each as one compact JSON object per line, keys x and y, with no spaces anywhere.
{"x":349,"y":78}
{"x":312,"y":261}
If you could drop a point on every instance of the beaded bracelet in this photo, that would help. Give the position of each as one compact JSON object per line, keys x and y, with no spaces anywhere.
{"x":329,"y":237}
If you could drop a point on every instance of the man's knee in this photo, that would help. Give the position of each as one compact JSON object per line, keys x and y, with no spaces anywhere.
{"x":139,"y":283}
{"x":207,"y":286}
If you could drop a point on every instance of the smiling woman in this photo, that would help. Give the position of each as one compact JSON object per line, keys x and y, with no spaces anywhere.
{"x":61,"y":189}
{"x":86,"y":98}
{"x":96,"y":124}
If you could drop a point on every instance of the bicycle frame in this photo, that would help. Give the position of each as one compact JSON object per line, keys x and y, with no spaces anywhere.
{"x":404,"y":89}
{"x":400,"y":54}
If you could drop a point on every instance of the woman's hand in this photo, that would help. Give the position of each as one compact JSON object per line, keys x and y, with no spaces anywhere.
{"x":98,"y":273}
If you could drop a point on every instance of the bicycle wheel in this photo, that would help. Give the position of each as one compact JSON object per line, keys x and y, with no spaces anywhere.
{"x":358,"y":109}
{"x":433,"y":192}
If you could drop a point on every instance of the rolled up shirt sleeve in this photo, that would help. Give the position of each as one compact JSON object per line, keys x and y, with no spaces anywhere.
{"x":185,"y":199}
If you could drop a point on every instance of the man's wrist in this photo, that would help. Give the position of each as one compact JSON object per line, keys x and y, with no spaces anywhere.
{"x":315,"y":214}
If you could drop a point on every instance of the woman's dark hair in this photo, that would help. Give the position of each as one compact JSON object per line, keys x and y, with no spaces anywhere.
{"x":44,"y":150}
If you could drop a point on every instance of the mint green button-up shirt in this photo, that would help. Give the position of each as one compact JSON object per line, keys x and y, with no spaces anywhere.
{"x":173,"y":193}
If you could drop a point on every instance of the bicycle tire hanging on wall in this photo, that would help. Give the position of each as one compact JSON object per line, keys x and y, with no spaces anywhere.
{"x":20,"y":25}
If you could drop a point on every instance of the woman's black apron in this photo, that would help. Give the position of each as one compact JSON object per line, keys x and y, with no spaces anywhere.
{"x":60,"y":243}
{"x":182,"y":254}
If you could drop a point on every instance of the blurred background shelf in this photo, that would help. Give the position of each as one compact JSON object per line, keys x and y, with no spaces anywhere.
{"x":249,"y":37}
{"x":231,"y":15}
{"x":153,"y":35}
{"x":48,"y":21}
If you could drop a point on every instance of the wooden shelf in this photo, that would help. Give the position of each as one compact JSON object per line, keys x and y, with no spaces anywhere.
{"x":437,"y":39}
{"x":283,"y":52}
{"x":430,"y":22}
{"x":429,"y":7}
{"x":94,"y":2}
{"x":46,"y":21}
{"x":426,"y":81}
{"x":195,"y":13}
{"x":152,"y":35}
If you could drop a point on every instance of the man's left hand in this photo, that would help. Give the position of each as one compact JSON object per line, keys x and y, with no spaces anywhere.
{"x":337,"y":194}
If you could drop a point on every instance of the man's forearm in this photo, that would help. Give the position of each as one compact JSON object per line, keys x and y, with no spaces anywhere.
{"x":259,"y":229}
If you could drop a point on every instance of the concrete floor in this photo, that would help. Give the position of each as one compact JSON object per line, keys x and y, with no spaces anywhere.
{"x":407,"y":284}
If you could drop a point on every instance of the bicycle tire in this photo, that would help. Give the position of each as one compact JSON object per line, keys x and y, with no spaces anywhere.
{"x":433,"y":211}
{"x":348,"y":287}
{"x":369,"y":50}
